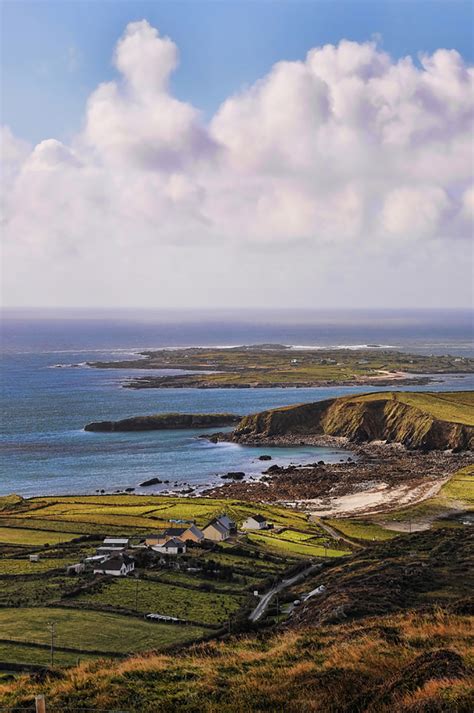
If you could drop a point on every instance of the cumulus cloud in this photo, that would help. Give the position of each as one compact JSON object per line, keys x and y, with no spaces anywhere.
{"x":347,"y":159}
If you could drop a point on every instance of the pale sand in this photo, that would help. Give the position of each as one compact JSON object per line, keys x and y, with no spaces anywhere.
{"x":373,"y":500}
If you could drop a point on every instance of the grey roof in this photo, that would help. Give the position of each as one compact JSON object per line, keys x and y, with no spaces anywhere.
{"x":195,"y":530}
{"x":226,"y":521}
{"x":173,"y":542}
{"x":116,"y":540}
{"x":219,"y":526}
{"x":257,"y":518}
{"x":175,"y":531}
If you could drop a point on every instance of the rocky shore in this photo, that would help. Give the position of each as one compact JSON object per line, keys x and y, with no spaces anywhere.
{"x":378,"y":478}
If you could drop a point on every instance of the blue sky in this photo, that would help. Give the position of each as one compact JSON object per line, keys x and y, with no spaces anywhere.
{"x":55,"y":53}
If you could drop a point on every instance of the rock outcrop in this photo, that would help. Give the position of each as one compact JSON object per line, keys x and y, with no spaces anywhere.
{"x":164,"y":421}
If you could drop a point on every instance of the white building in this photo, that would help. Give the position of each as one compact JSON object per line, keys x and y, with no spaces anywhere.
{"x":117,"y":566}
{"x":255,"y":522}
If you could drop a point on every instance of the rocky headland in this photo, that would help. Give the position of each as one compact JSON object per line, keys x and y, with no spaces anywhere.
{"x":163,"y":421}
{"x":419,"y":421}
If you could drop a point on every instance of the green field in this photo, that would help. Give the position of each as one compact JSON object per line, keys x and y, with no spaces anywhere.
{"x":162,"y":598}
{"x":297,"y":546}
{"x":360,"y":529}
{"x":132,"y":514}
{"x":454,"y":406}
{"x":18,"y":536}
{"x":86,"y":630}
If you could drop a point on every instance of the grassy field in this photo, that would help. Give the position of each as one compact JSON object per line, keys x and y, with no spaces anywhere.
{"x":454,"y":406}
{"x":162,"y":598}
{"x":133,"y":514}
{"x":19,"y":536}
{"x":85,"y":630}
{"x":296,"y":546}
{"x":360,"y":529}
{"x":12,"y":566}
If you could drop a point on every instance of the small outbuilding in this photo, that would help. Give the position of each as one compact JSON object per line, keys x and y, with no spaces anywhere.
{"x":76,"y":568}
{"x":255,"y":522}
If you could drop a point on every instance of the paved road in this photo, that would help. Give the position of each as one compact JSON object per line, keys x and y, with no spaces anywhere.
{"x":265,"y":600}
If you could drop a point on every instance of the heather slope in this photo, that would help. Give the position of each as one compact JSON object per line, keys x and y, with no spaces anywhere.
{"x":429,"y":421}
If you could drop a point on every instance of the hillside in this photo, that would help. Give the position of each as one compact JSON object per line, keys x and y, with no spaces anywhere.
{"x":403,"y":645}
{"x":427,"y":421}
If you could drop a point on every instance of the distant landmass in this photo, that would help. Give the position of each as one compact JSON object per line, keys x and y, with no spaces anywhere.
{"x":274,"y":366}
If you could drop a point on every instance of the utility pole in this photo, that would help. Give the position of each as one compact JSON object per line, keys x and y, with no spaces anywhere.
{"x":136,"y":593}
{"x":52,"y":626}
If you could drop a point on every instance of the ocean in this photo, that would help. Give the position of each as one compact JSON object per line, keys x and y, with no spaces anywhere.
{"x":44,"y":449}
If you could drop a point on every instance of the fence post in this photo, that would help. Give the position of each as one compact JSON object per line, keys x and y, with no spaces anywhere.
{"x":40,"y":704}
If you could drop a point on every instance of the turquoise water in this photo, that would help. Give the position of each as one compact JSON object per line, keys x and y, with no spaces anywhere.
{"x":43,"y":446}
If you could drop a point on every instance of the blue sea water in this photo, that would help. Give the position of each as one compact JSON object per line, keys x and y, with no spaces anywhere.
{"x":43,"y":446}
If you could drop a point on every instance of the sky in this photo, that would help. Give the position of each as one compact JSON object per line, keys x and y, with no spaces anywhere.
{"x":237,"y":154}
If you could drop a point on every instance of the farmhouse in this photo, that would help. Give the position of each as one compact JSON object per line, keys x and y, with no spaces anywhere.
{"x":171,"y":546}
{"x":216,"y":531}
{"x":117,"y":566}
{"x":254,"y":522}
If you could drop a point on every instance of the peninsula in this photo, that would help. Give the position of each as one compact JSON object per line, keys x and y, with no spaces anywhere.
{"x":273,"y":365}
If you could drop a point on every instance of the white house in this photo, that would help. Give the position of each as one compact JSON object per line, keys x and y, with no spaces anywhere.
{"x":254,"y":522}
{"x":172,"y":546}
{"x":117,"y":566}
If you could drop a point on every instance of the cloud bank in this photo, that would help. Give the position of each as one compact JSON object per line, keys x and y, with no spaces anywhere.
{"x":343,"y":179}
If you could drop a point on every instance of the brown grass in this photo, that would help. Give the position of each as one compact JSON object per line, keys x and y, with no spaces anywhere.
{"x":325,"y":669}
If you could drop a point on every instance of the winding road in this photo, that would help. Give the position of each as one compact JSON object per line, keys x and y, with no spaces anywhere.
{"x":265,"y":600}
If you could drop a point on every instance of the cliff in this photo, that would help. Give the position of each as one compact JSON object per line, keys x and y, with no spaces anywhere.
{"x":164,"y":421}
{"x":430,"y":421}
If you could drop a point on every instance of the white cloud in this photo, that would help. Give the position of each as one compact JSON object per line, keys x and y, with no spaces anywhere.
{"x":346,"y":160}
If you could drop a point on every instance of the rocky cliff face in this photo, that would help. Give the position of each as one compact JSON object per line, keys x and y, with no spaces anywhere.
{"x":359,"y":421}
{"x":165,"y":421}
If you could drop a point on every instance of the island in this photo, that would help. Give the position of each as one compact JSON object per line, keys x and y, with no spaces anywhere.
{"x":165,"y":421}
{"x":274,"y":365}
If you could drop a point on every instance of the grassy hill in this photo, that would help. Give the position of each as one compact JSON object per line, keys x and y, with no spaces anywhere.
{"x":417,"y":420}
{"x":402,"y":643}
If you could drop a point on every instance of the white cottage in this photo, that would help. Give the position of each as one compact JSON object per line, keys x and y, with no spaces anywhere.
{"x":117,"y":566}
{"x":255,"y":522}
